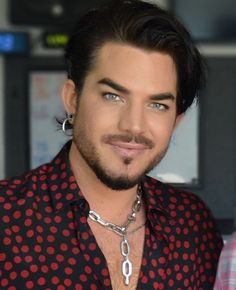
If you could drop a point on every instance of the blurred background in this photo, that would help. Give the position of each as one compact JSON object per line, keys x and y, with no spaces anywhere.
{"x":202,"y":155}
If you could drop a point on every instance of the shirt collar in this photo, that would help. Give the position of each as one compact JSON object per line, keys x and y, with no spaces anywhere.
{"x":62,"y":184}
{"x":64,"y":189}
{"x":155,"y":196}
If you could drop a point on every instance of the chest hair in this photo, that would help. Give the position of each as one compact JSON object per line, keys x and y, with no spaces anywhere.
{"x":109,"y":243}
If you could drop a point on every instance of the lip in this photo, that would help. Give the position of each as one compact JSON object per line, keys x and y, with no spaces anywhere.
{"x":129,"y":149}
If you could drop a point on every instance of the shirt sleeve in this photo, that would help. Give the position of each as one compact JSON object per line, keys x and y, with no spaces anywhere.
{"x":226,"y":272}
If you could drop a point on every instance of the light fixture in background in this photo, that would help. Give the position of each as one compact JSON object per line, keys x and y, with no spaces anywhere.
{"x":50,"y":13}
{"x":14,"y":42}
{"x":55,"y":39}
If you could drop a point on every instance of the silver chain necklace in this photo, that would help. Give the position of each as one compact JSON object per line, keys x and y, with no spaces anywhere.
{"x":127,"y":267}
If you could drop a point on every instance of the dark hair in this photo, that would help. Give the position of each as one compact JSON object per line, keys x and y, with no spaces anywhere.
{"x":142,"y":25}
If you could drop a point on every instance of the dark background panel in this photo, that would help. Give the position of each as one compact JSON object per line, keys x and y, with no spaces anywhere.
{"x":207,"y":20}
{"x":218,"y":140}
{"x":52,"y":13}
{"x":16,"y":117}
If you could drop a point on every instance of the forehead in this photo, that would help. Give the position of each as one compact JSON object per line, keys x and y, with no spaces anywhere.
{"x":136,"y":68}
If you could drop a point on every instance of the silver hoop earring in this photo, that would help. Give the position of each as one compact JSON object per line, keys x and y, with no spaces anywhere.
{"x":67,"y":125}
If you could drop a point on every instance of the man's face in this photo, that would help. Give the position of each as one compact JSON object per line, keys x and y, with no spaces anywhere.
{"x":126,"y":114}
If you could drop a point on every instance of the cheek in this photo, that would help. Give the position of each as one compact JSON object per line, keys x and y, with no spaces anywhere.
{"x":93,"y":124}
{"x":162,"y":130}
{"x":92,"y":113}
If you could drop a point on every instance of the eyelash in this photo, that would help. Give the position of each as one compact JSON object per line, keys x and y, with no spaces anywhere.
{"x":108,"y":96}
{"x":161,"y":107}
{"x":112,"y":97}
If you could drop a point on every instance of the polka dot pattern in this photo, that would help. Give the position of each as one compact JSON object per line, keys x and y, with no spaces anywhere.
{"x":46,"y":242}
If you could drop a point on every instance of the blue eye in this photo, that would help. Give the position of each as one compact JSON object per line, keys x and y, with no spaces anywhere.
{"x":112,"y":97}
{"x":158,"y":106}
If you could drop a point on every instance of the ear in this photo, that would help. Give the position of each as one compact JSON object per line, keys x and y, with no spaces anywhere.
{"x":178,"y":120}
{"x":69,"y":97}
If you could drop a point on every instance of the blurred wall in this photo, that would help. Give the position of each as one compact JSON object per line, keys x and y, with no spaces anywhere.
{"x":36,"y":50}
{"x":3,"y":24}
{"x":1,"y":120}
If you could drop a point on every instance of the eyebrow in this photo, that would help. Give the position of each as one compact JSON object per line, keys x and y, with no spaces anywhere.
{"x":114,"y":85}
{"x":162,"y":97}
{"x":122,"y":89}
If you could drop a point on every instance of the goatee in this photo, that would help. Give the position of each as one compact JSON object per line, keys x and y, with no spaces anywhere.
{"x":116,"y":182}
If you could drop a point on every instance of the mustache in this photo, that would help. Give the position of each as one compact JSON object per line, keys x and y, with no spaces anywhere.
{"x":128,"y":138}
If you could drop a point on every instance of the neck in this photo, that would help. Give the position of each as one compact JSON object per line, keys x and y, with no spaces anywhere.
{"x":100,"y":197}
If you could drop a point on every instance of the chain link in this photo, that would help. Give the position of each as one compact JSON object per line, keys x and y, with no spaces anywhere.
{"x":120,"y":230}
{"x":127,"y":267}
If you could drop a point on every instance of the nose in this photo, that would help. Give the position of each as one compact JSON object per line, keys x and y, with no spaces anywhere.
{"x":132,"y":119}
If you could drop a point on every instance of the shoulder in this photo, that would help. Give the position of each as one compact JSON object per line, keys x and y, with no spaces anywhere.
{"x":188,"y":226}
{"x":18,"y":189}
{"x":173,"y":196}
{"x":185,"y":210}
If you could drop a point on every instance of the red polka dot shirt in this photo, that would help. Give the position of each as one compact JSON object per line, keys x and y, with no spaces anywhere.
{"x":46,"y":242}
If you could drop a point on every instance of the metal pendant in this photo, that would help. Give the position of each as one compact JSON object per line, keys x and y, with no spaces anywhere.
{"x":126,"y":264}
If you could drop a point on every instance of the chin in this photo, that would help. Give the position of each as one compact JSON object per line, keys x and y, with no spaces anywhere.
{"x":119,"y":182}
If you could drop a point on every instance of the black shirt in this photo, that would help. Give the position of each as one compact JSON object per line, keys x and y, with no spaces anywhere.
{"x":46,"y":242}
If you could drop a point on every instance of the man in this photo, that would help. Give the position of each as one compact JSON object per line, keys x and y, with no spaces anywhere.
{"x":226,"y":273}
{"x":91,"y":219}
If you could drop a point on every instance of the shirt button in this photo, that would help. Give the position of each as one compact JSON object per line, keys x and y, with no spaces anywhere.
{"x":82,"y":204}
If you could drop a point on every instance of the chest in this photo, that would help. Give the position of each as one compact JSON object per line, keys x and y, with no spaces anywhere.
{"x":66,"y":252}
{"x":110,"y":245}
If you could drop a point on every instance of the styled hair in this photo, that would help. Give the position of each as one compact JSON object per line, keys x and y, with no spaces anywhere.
{"x":142,"y":25}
